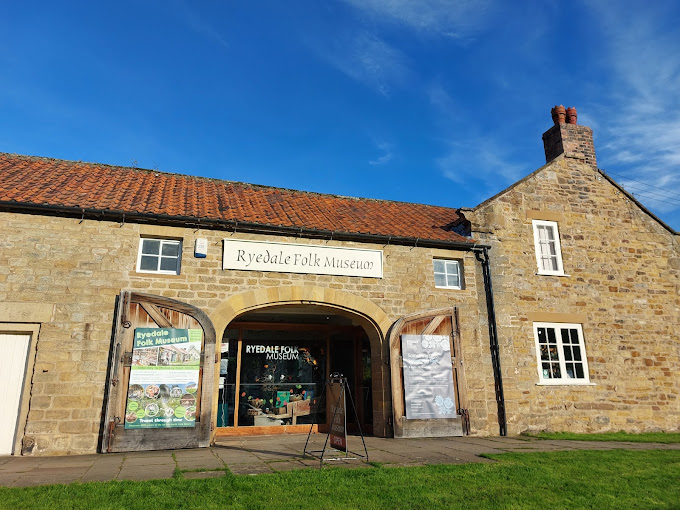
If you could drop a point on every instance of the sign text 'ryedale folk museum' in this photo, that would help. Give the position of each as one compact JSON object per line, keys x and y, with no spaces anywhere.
{"x":301,"y":258}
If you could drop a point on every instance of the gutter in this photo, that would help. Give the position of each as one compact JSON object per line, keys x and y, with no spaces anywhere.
{"x":482,"y":254}
{"x":233,"y":225}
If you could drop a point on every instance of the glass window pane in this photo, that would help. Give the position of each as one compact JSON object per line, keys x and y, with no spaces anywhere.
{"x":170,"y":249}
{"x":541,"y":336}
{"x":567,"y":352}
{"x":579,"y":371}
{"x":439,"y":266}
{"x":549,"y":233}
{"x":551,"y":336}
{"x":544,"y":353}
{"x":452,"y":280}
{"x":577,"y":353}
{"x":440,"y":280}
{"x":452,"y":267}
{"x":556,"y":373}
{"x":570,"y":370}
{"x":574,"y":336}
{"x":148,"y":263}
{"x":168,"y":264}
{"x":546,"y":371}
{"x":151,"y":246}
{"x":564,"y":333}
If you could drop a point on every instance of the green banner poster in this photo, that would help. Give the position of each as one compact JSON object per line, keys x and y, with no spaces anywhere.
{"x":163,"y":378}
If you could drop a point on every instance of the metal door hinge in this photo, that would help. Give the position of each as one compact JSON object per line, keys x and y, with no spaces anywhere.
{"x":126,"y":359}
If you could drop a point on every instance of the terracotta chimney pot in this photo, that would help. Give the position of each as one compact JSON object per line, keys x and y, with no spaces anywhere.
{"x":559,"y":115}
{"x":571,"y":115}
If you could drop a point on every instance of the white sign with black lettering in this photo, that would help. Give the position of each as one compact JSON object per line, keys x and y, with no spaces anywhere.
{"x":301,"y":258}
{"x":428,"y":377}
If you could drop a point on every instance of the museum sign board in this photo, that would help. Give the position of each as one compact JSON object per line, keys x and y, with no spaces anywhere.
{"x":301,"y":258}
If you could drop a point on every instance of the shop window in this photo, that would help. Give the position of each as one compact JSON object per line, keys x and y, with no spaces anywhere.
{"x":547,"y":247}
{"x":282,"y":375}
{"x":561,"y":353}
{"x":447,"y":274}
{"x":162,"y":256}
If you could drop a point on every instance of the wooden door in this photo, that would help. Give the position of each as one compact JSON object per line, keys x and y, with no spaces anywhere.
{"x":433,"y":322}
{"x":133,"y":311}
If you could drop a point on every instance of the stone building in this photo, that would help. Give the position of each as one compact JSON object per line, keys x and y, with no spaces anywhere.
{"x":144,"y":310}
{"x":586,"y":288}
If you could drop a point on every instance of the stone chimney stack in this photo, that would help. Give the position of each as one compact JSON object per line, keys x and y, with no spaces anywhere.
{"x":568,"y":138}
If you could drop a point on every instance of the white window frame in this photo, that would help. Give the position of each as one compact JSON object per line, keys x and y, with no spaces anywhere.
{"x":160,"y":256}
{"x":564,"y":379}
{"x":537,"y":225}
{"x":447,"y":264}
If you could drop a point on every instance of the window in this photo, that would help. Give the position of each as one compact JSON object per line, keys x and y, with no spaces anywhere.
{"x":547,"y":244}
{"x":159,"y":256}
{"x":561,"y":353}
{"x":446,"y":274}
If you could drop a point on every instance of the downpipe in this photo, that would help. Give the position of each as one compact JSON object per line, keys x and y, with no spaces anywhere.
{"x":482,"y":255}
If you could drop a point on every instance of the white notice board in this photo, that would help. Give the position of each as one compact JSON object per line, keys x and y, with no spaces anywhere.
{"x":428,"y":377}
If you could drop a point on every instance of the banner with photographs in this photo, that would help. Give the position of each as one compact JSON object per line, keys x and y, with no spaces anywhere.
{"x":163,"y":378}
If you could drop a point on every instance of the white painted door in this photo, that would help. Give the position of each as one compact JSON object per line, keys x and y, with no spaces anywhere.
{"x":13,"y":352}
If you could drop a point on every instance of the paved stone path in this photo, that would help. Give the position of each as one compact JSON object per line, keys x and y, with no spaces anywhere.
{"x":268,"y":454}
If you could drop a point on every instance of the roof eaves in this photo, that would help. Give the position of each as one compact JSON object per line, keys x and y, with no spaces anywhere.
{"x":234,"y":225}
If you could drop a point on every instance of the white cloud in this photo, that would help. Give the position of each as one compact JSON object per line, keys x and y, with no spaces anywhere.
{"x":367,"y":59}
{"x":642,"y":128}
{"x":480,"y":159}
{"x":386,"y":156}
{"x":456,"y":19}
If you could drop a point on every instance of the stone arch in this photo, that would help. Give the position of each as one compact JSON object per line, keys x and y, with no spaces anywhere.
{"x":367,"y":314}
{"x":239,"y":304}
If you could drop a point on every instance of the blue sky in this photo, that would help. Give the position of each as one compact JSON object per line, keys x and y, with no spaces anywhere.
{"x":434,"y":101}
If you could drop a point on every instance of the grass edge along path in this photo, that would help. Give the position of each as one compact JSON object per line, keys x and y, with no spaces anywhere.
{"x":643,"y":437}
{"x":561,"y":479}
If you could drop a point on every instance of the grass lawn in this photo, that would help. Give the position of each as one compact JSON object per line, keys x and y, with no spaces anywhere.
{"x":645,"y":437}
{"x":570,"y":479}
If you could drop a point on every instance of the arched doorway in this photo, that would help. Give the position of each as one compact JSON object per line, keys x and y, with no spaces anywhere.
{"x":276,"y":356}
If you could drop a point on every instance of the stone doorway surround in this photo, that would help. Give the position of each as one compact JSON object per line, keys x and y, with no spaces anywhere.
{"x":364,"y":312}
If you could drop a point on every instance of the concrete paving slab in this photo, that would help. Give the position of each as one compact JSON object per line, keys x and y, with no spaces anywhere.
{"x":241,"y":458}
{"x":385,"y":457}
{"x":215,"y":463}
{"x":204,"y":474}
{"x":146,"y":474}
{"x":7,"y":479}
{"x":288,"y":465}
{"x":35,"y":480}
{"x":249,"y":469}
{"x":22,"y":464}
{"x":132,"y":461}
{"x":104,"y":475}
{"x":256,"y":455}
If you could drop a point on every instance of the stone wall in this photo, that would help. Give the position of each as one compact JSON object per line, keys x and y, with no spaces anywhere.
{"x":623,"y":272}
{"x":79,"y":267}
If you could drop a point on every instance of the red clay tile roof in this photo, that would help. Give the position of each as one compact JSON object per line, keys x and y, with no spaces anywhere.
{"x":30,"y":180}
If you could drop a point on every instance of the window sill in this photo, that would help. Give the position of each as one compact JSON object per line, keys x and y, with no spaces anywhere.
{"x":553,"y":274}
{"x":448,"y":288}
{"x":563,"y":383}
{"x":155,"y":275}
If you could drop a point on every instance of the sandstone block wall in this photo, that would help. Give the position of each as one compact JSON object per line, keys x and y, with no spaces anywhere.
{"x":623,"y":285}
{"x":80,"y":267}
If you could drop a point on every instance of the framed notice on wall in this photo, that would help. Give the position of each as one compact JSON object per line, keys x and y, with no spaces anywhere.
{"x":163,"y":378}
{"x":428,"y":377}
